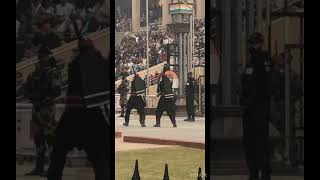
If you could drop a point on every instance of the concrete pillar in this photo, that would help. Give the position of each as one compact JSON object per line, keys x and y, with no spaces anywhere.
{"x":185,"y":56}
{"x":259,"y":4}
{"x":180,"y":62}
{"x":200,"y":9}
{"x":236,"y":55}
{"x":251,"y":15}
{"x":226,"y":54}
{"x":135,"y":15}
{"x":165,"y":12}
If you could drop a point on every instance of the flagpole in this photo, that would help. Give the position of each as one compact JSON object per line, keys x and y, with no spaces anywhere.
{"x":147,"y":14}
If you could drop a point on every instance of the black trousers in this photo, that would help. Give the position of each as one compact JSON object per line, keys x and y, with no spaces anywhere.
{"x":85,"y":129}
{"x":190,"y":106}
{"x":138,"y":103}
{"x":256,"y":138}
{"x":168,"y":105}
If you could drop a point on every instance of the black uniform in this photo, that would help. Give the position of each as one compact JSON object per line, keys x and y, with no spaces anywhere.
{"x":83,"y":124}
{"x":190,"y":91}
{"x":256,"y":96}
{"x":166,"y":101}
{"x":137,"y":100}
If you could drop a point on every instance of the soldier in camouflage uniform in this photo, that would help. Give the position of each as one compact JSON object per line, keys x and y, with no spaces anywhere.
{"x":41,"y":88}
{"x":123,"y":90}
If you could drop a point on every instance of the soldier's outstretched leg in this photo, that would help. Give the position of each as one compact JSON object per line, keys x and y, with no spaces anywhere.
{"x":57,"y":161}
{"x":142,"y":115}
{"x":192,"y":109}
{"x":171,"y":110}
{"x":159,"y":110}
{"x":188,"y":109}
{"x":128,"y":111}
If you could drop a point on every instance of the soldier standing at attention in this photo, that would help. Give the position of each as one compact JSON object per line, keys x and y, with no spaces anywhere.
{"x":123,"y":90}
{"x":42,"y":88}
{"x":256,"y":96}
{"x":167,"y":98}
{"x":137,"y":100}
{"x":190,"y":90}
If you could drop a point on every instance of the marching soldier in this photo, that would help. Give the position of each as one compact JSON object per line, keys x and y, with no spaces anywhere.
{"x":190,"y":90}
{"x":41,"y":88}
{"x":256,"y":96}
{"x":85,"y":121}
{"x":123,"y":90}
{"x":137,"y":100}
{"x":167,"y":98}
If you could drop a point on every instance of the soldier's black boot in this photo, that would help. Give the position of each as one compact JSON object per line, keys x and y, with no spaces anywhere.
{"x":156,"y":125}
{"x":142,"y":120}
{"x":39,"y":169}
{"x":265,"y":175}
{"x":126,"y":124}
{"x":122,"y":112}
{"x":174,"y":124}
{"x":254,"y":175}
{"x":192,"y":119}
{"x":188,"y":119}
{"x":44,"y":174}
{"x":34,"y":172}
{"x":173,"y":120}
{"x":157,"y":122}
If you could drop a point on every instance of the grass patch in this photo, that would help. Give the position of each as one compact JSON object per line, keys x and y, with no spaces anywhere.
{"x":183,"y":163}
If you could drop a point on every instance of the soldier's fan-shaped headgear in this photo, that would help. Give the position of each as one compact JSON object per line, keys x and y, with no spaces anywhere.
{"x":85,"y":44}
{"x":166,"y":67}
{"x":256,"y":38}
{"x":44,"y":51}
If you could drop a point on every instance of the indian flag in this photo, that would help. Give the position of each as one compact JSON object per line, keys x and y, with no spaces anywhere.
{"x":180,"y":8}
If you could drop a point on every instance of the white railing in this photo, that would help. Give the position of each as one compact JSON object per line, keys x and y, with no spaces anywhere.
{"x":124,"y":27}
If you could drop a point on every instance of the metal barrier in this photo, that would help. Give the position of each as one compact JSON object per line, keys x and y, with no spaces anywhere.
{"x":136,"y":174}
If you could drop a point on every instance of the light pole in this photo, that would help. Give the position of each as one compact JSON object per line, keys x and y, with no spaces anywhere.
{"x":147,"y":14}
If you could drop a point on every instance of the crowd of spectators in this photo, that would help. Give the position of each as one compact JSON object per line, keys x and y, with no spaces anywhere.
{"x":123,"y":23}
{"x":131,"y":52}
{"x":199,"y":26}
{"x":49,"y":22}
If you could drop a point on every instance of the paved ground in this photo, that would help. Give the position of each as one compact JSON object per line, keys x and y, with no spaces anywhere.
{"x":246,"y":178}
{"x":124,"y":146}
{"x":186,"y":131}
{"x":78,"y":173}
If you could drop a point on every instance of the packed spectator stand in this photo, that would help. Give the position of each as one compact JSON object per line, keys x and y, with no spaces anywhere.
{"x":131,"y":52}
{"x":49,"y":23}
